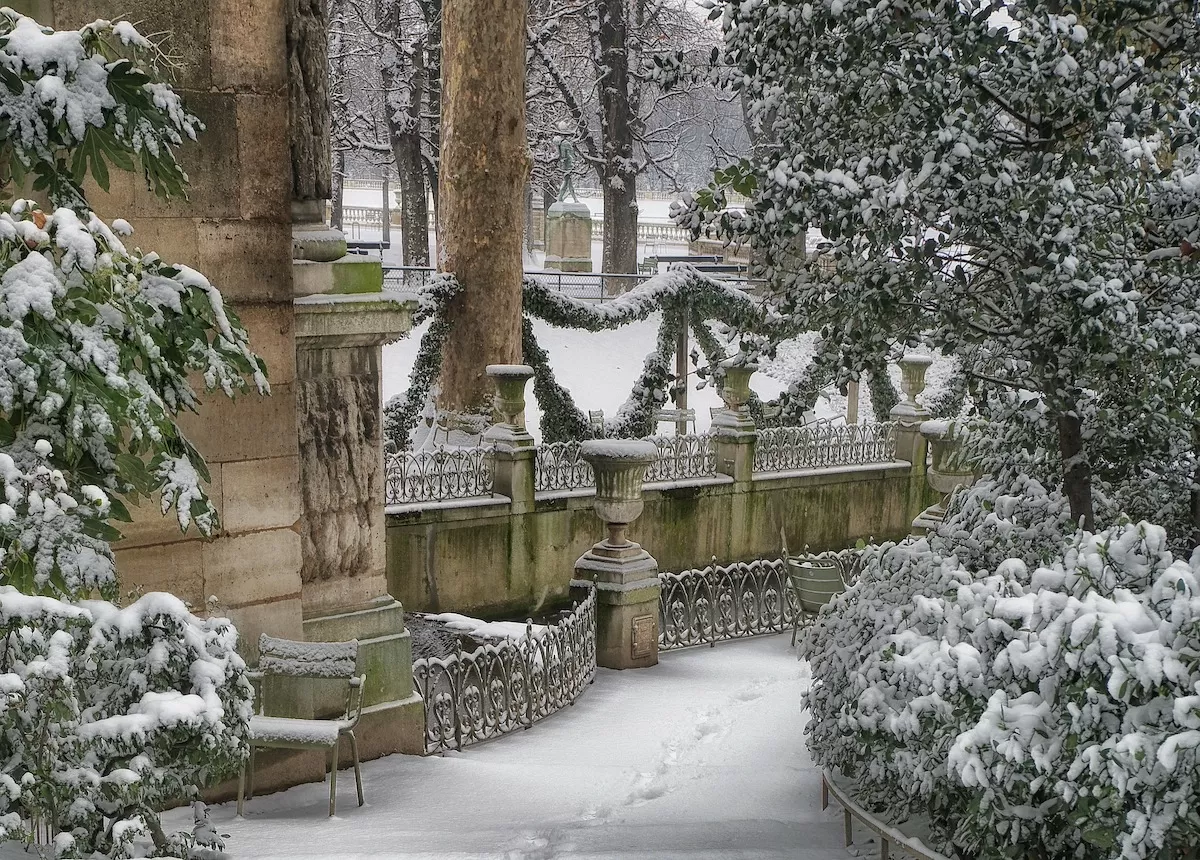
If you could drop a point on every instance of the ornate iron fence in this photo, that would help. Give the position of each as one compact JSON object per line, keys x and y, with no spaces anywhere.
{"x":692,"y":455}
{"x":434,"y":476}
{"x":559,"y":466}
{"x":497,"y":689}
{"x":710,"y":604}
{"x":782,"y":449}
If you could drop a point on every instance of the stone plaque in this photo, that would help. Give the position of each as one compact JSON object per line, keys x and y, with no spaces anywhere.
{"x":644,"y":633}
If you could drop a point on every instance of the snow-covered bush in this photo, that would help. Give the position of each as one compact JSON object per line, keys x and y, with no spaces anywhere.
{"x":1020,"y":712}
{"x":106,"y":714}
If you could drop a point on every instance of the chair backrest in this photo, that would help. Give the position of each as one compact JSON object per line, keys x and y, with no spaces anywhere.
{"x":596,"y":419}
{"x":334,"y":660}
{"x":814,"y":582}
{"x":675,"y":415}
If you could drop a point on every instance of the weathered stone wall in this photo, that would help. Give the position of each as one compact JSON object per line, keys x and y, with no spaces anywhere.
{"x":235,"y":228}
{"x":482,"y":559}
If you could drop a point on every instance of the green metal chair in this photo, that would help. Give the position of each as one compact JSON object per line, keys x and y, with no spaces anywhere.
{"x":812,"y":581}
{"x":326,"y":661}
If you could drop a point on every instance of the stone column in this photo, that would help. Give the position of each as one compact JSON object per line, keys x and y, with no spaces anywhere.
{"x":948,"y":472}
{"x":733,"y":427}
{"x":569,"y":237}
{"x":624,"y":575}
{"x":513,"y":450}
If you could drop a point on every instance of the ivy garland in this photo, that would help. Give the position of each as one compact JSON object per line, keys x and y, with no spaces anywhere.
{"x":680,"y":294}
{"x":401,"y":413}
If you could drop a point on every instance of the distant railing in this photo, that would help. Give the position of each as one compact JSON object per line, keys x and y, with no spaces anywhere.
{"x":559,"y":466}
{"x":438,"y":475}
{"x":649,"y":232}
{"x":691,"y":455}
{"x":363,"y":216}
{"x":706,"y":605}
{"x":497,"y":689}
{"x":784,"y":449}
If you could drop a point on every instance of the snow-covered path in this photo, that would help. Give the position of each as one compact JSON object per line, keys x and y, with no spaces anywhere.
{"x":701,"y":757}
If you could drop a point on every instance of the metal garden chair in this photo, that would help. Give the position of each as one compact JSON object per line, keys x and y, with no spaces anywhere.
{"x":300,"y":661}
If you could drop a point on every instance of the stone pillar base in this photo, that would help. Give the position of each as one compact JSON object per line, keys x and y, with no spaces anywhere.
{"x":569,"y":237}
{"x":627,"y":598}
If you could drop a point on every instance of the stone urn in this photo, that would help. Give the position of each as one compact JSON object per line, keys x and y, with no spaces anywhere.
{"x":620,"y":467}
{"x":735,"y":420}
{"x":509,"y":405}
{"x":912,"y":383}
{"x":948,"y":471}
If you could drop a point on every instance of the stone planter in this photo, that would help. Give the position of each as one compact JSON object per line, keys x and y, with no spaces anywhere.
{"x":735,"y":386}
{"x":912,"y":382}
{"x":509,"y":400}
{"x":948,"y":472}
{"x":620,"y":467}
{"x":624,"y":576}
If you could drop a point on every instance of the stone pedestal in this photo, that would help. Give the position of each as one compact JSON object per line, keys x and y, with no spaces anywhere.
{"x":344,"y":585}
{"x":624,"y":575}
{"x":569,"y":237}
{"x":909,"y":414}
{"x":627,"y":596}
{"x":312,"y":238}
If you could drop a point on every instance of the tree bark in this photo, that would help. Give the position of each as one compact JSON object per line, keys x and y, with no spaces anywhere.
{"x":308,"y":98}
{"x":1077,"y":471}
{"x":337,"y":192}
{"x":482,"y":172}
{"x":618,"y":174}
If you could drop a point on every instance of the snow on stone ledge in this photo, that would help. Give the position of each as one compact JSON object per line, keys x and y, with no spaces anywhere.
{"x":485,"y":629}
{"x":519,"y":370}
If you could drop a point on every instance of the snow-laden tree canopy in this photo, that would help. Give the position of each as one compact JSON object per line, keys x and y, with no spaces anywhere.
{"x":106,"y":714}
{"x":1011,"y":181}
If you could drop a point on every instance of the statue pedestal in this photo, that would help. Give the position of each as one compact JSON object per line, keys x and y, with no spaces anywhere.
{"x":569,"y":237}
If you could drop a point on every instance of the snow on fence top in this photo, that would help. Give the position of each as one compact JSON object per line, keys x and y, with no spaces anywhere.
{"x":465,"y":473}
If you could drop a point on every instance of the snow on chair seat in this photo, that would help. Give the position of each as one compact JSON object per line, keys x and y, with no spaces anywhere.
{"x":285,"y":658}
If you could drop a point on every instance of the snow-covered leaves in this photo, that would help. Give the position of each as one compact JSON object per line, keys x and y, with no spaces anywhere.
{"x":98,"y":342}
{"x":86,"y":97}
{"x":107,"y":714}
{"x":1056,"y":706}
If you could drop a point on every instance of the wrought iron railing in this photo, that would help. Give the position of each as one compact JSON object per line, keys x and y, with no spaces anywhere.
{"x":782,"y":449}
{"x":710,"y":604}
{"x":497,"y":689}
{"x":559,"y":466}
{"x":692,"y":455}
{"x":438,"y":475}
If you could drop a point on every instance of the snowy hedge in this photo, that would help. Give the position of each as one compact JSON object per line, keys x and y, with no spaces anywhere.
{"x":107,"y":714}
{"x":1020,"y":712}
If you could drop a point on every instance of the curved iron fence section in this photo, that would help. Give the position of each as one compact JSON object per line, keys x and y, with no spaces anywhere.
{"x":438,"y":475}
{"x":693,"y":455}
{"x":559,"y":466}
{"x":497,"y":689}
{"x":714,"y":603}
{"x":782,"y":449}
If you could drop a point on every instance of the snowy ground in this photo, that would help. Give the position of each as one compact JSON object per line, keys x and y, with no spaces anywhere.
{"x":700,"y":757}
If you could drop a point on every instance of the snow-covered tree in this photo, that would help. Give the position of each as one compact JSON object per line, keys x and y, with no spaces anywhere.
{"x":993,"y":176}
{"x":105,"y":713}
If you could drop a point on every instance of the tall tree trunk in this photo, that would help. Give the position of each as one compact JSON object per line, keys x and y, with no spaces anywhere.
{"x":403,"y":97}
{"x":431,"y":10}
{"x":1195,"y":541}
{"x":482,"y":170}
{"x":618,"y":174}
{"x":1077,"y":471}
{"x":414,"y":207}
{"x":339,"y":182}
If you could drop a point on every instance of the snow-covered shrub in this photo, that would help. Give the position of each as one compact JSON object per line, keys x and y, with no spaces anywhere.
{"x":1022,"y":712}
{"x":108,"y":713}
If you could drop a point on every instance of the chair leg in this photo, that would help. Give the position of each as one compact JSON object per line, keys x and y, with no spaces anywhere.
{"x":357,"y":770}
{"x":241,"y":804}
{"x":333,"y":767}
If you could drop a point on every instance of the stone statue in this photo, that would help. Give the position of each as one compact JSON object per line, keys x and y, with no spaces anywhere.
{"x":566,"y":161}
